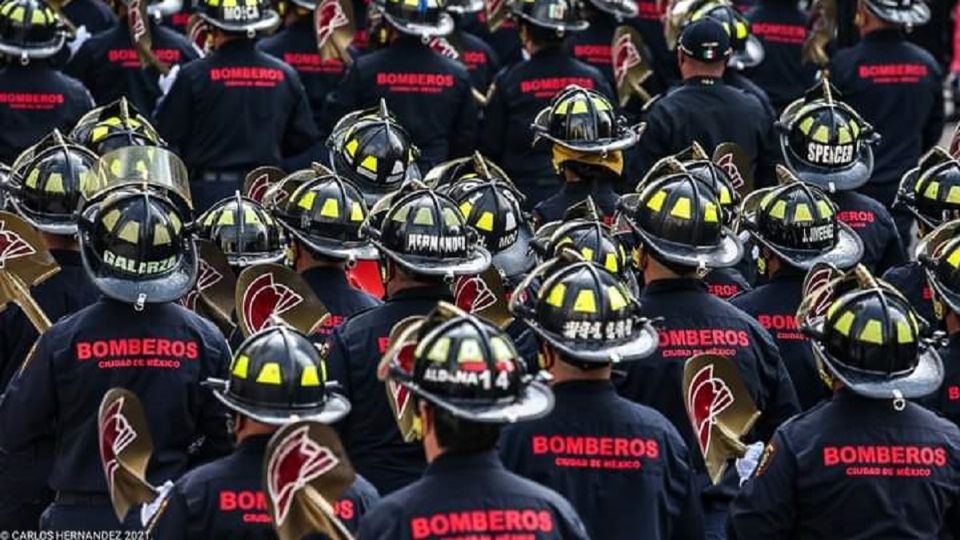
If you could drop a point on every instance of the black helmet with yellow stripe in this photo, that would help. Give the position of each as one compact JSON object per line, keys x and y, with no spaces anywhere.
{"x":29,"y":29}
{"x":425,"y":18}
{"x":931,"y":191}
{"x":583,"y":120}
{"x":585,"y":312}
{"x":114,"y":126}
{"x":825,"y":142}
{"x":799,"y":224}
{"x":872,"y":341}
{"x":939,"y":253}
{"x":239,"y":16}
{"x":372,"y":150}
{"x":52,"y":183}
{"x":425,"y":233}
{"x":244,"y":231}
{"x":558,"y":16}
{"x":325,"y":214}
{"x":135,"y":247}
{"x":679,"y":220}
{"x":276,"y":377}
{"x":592,"y":239}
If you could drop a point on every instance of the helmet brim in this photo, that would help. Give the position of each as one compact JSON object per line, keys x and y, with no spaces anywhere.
{"x":625,"y":9}
{"x":271,"y":20}
{"x":578,"y":26}
{"x":334,"y":409}
{"x":443,"y":27}
{"x":535,"y":401}
{"x":629,"y":137}
{"x":845,"y":254}
{"x":849,"y":178}
{"x":59,"y":226}
{"x":168,"y":287}
{"x":36,"y":53}
{"x":752,"y":54}
{"x":516,"y":260}
{"x":725,"y":254}
{"x":640,"y":346}
{"x":476,"y":263}
{"x":337,"y":249}
{"x":922,"y":381}
{"x":243,"y":261}
{"x":917,"y":15}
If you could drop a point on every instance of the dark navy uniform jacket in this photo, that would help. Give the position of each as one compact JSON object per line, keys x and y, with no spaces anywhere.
{"x":370,"y":432}
{"x":694,"y":322}
{"x":335,"y":293}
{"x":946,"y":400}
{"x":161,"y":354}
{"x":711,"y":112}
{"x":34,"y":99}
{"x":726,"y":283}
{"x":782,"y":28}
{"x":430,"y":95}
{"x":505,"y":42}
{"x":94,"y":14}
{"x":236,"y":109}
{"x":297,"y":46}
{"x":479,"y":58}
{"x":882,"y":248}
{"x":224,"y":499}
{"x":774,"y":305}
{"x":649,"y":23}
{"x":854,"y":468}
{"x":897,"y":87}
{"x":109,"y":65}
{"x":472,"y":496}
{"x":571,"y":193}
{"x":623,"y":466}
{"x":911,"y":281}
{"x":518,"y":94}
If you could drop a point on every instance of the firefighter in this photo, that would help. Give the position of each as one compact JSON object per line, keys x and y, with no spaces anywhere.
{"x":521,"y":91}
{"x":650,"y":486}
{"x":276,"y":377}
{"x":323,"y":219}
{"x":237,"y":108}
{"x":430,"y":94}
{"x":897,"y":87}
{"x":476,"y":55}
{"x":781,"y":27}
{"x":925,"y":193}
{"x":894,"y":476}
{"x":592,"y":46}
{"x":47,"y":191}
{"x":36,"y":97}
{"x":796,"y":227}
{"x":587,"y":139}
{"x":422,"y":240}
{"x":825,"y":142}
{"x":706,"y":109}
{"x":89,"y":17}
{"x":244,"y":231}
{"x":466,"y":381}
{"x":109,"y":63}
{"x":135,"y":249}
{"x":677,"y":222}
{"x":113,"y":126}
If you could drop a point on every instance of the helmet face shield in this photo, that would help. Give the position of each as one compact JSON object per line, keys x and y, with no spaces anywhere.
{"x":145,"y":166}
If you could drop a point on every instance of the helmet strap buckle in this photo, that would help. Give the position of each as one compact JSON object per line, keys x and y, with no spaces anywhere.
{"x":140,"y":303}
{"x":24,"y":59}
{"x":899,"y":403}
{"x":251,"y":33}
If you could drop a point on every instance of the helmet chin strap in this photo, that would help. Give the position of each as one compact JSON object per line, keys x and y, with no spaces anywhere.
{"x":24,"y":59}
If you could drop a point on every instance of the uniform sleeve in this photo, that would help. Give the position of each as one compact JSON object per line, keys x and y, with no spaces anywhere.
{"x":464,"y":129}
{"x":212,"y":422}
{"x":781,"y":397}
{"x":764,"y":508}
{"x":28,"y":407}
{"x":654,"y":143}
{"x":80,"y":63}
{"x":893,"y":252}
{"x":174,"y":113}
{"x":933,"y":129}
{"x":494,"y":129}
{"x":301,"y":132}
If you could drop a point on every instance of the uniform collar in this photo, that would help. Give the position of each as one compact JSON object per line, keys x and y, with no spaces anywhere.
{"x":254,"y":444}
{"x":408,"y":42}
{"x":325,"y":276}
{"x":677,"y":284}
{"x":788,"y":273}
{"x":456,"y":462}
{"x":548,"y":52}
{"x":239,"y":44}
{"x":422,"y":293}
{"x":582,"y":387}
{"x":703,"y":81}
{"x":886,"y":34}
{"x":66,"y":257}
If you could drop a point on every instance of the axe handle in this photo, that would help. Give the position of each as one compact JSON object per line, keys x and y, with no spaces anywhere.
{"x":20,"y":294}
{"x":151,"y":58}
{"x":340,"y":532}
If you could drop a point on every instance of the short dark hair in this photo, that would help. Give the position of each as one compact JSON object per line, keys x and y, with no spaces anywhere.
{"x":457,"y":435}
{"x":541,"y":36}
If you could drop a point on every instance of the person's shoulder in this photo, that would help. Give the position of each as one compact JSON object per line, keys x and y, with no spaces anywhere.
{"x":273,"y":44}
{"x":748,"y":299}
{"x":175,"y":312}
{"x":195,"y":480}
{"x":650,"y":418}
{"x":901,"y":273}
{"x":475,"y":42}
{"x":932,"y":421}
{"x":922,"y":55}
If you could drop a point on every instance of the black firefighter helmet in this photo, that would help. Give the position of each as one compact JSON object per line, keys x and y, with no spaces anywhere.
{"x":931,"y":191}
{"x":872,"y":340}
{"x":558,"y":16}
{"x":900,"y":12}
{"x":747,"y":48}
{"x":135,"y":247}
{"x":276,"y":377}
{"x":470,"y":368}
{"x":825,"y":142}
{"x":325,"y":215}
{"x":939,"y":254}
{"x":680,"y":220}
{"x":52,"y":184}
{"x":29,"y":29}
{"x":425,"y":18}
{"x":424,"y":233}
{"x":585,"y":312}
{"x":113,"y":126}
{"x":583,"y":120}
{"x":372,"y":150}
{"x":799,"y":224}
{"x":244,"y":231}
{"x":239,"y":16}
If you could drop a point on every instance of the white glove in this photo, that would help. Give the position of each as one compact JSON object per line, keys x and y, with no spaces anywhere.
{"x":166,"y":81}
{"x":748,"y":462}
{"x":79,"y":37}
{"x":149,"y":510}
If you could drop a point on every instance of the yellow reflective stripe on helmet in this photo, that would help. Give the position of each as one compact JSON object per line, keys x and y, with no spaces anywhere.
{"x":855,"y":129}
{"x":844,"y":323}
{"x":843,"y":136}
{"x":611,"y":263}
{"x":226,"y":218}
{"x":352,"y":146}
{"x":369,"y":163}
{"x":725,"y":197}
{"x":586,"y":302}
{"x":110,"y":220}
{"x":402,"y":213}
{"x":765,"y":201}
{"x":485,"y":223}
{"x":32,"y":179}
{"x":953,"y":196}
{"x":557,"y":294}
{"x":601,"y":105}
{"x":587,"y":253}
{"x":306,"y":202}
{"x":99,"y":132}
{"x":710,"y":213}
{"x":161,"y":236}
{"x":330,"y":209}
{"x":681,"y":208}
{"x":466,"y":208}
{"x":250,"y":217}
{"x":562,"y":107}
{"x":440,"y":350}
{"x":450,"y":217}
{"x":356,"y":212}
{"x":933,"y":189}
{"x":904,"y":333}
{"x":872,"y":332}
{"x":240,"y":366}
{"x":37,"y":17}
{"x":805,"y":125}
{"x":309,"y":377}
{"x":270,"y":374}
{"x":424,"y":216}
{"x":954,"y":258}
{"x":580,"y":107}
{"x":18,"y":14}
{"x":821,"y":135}
{"x":501,"y":350}
{"x":656,"y":202}
{"x":469,"y":351}
{"x":175,"y":222}
{"x":742,"y":31}
{"x":130,"y":232}
{"x":617,"y":300}
{"x":779,"y":210}
{"x":826,"y":209}
{"x":802,"y":212}
{"x":229,"y":3}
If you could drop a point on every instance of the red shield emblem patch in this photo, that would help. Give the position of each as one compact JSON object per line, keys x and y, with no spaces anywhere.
{"x":116,"y":434}
{"x":297,"y":461}
{"x":473,"y":295}
{"x":328,"y":18}
{"x":727,"y":165}
{"x":707,"y":397}
{"x":207,"y":277}
{"x":625,"y":57}
{"x":264,"y":299}
{"x":13,"y":246}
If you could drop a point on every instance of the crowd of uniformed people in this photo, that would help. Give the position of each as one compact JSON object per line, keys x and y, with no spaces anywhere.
{"x":531,"y":269}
